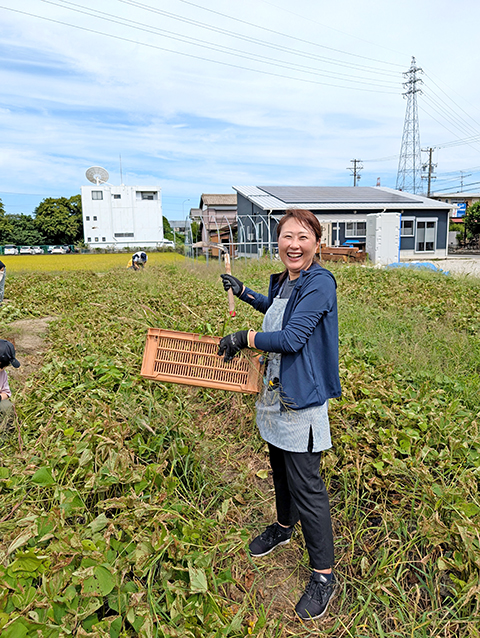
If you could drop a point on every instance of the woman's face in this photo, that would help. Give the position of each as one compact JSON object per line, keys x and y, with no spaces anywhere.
{"x":297,"y":246}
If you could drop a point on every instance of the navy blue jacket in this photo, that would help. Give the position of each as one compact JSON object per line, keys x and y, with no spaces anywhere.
{"x":308,"y":340}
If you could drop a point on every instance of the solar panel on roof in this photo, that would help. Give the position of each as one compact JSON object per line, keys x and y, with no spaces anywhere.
{"x":335,"y":195}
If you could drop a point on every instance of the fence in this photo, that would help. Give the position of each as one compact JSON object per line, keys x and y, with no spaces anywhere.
{"x":240,"y":240}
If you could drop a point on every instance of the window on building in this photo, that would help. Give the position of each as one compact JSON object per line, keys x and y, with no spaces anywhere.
{"x":94,"y":218}
{"x":407,"y":229}
{"x":96,"y":238}
{"x":87,"y":218}
{"x":426,"y":234}
{"x":355,"y":229}
{"x":89,"y":239}
{"x":147,"y":195}
{"x":123,"y":235}
{"x":97,"y":194}
{"x":116,"y":196}
{"x":104,"y":239}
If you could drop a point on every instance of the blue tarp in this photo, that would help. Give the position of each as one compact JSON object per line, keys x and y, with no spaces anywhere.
{"x":419,"y":265}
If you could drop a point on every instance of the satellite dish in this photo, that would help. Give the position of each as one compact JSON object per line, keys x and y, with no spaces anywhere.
{"x":97,"y":175}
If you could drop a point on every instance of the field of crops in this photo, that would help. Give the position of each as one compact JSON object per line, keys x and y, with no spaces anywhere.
{"x":99,"y":262}
{"x":126,"y":505}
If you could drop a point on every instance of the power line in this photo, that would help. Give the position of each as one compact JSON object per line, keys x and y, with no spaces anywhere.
{"x":460,"y":142}
{"x":452,"y":113}
{"x":383,"y":159}
{"x":212,"y":46}
{"x":329,"y":26}
{"x":464,"y":186}
{"x":251,"y":24}
{"x":452,"y":100}
{"x":253,"y":40}
{"x":448,"y":117}
{"x":188,"y":55}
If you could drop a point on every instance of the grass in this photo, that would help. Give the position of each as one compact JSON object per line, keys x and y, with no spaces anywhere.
{"x":126,"y":506}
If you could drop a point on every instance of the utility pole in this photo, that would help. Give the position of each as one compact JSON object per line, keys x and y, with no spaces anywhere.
{"x":355,"y":169}
{"x":429,"y":168}
{"x":409,"y":175}
{"x":462,"y":176}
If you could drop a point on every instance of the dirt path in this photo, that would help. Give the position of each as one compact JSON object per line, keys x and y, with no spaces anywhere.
{"x":460,"y":265}
{"x":29,"y":337}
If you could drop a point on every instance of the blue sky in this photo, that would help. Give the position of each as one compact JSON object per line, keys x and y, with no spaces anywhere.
{"x":82,"y":88}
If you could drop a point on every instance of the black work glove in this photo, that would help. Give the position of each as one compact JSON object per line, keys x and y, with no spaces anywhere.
{"x":231,"y":344}
{"x":231,"y":282}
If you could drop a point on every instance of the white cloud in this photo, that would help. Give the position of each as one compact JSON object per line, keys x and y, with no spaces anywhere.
{"x":72,"y":98}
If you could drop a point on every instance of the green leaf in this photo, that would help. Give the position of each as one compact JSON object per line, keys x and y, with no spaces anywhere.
{"x":105,"y":579}
{"x":21,"y":540}
{"x":263,"y":474}
{"x":16,"y":630}
{"x":198,"y":580}
{"x":43,"y":477}
{"x":98,"y":523}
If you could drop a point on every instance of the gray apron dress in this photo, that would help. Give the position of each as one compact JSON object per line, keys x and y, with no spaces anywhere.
{"x":288,"y":429}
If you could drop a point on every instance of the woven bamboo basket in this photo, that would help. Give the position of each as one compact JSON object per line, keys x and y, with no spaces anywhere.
{"x":191,"y":359}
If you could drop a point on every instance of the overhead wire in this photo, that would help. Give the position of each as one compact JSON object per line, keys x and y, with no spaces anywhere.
{"x":188,"y":55}
{"x":251,"y":24}
{"x":263,"y":43}
{"x":464,"y":186}
{"x":451,"y":114}
{"x":467,"y":126}
{"x":454,"y":133}
{"x":71,"y":6}
{"x":452,"y":100}
{"x":329,"y":26}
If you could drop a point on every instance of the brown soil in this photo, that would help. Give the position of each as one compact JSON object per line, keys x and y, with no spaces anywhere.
{"x":29,"y":337}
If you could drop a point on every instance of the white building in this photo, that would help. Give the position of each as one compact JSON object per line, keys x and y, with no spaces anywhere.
{"x":121,"y":216}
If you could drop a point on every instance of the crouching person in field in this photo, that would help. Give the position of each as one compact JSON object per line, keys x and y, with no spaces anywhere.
{"x":7,"y":357}
{"x":3,"y":274}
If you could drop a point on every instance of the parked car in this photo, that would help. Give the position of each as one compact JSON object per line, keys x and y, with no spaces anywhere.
{"x":37,"y":250}
{"x":26,"y":250}
{"x":166,"y":243}
{"x":58,"y":250}
{"x":10,"y":250}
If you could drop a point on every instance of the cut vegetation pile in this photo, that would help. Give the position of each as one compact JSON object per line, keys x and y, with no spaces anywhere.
{"x":126,"y":505}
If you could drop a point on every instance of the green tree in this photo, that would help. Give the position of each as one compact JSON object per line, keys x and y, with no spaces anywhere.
{"x":472,"y":219}
{"x":167,"y":229}
{"x":2,"y":208}
{"x":60,"y":220}
{"x":20,"y":230}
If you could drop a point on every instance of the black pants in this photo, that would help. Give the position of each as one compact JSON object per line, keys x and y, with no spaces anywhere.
{"x":300,"y":494}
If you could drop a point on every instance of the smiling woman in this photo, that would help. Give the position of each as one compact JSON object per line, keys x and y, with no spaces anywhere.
{"x":300,"y":337}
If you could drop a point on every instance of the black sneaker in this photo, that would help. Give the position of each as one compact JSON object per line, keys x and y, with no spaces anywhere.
{"x":273,"y":536}
{"x":318,"y":594}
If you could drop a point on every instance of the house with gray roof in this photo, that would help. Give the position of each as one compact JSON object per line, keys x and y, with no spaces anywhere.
{"x":217,"y":216}
{"x":342,"y":211}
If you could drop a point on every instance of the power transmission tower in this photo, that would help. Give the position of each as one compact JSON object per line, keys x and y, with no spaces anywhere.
{"x":355,"y":169}
{"x":429,"y":168}
{"x":409,"y":175}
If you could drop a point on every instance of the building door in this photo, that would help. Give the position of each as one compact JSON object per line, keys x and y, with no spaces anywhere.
{"x":425,"y":239}
{"x":326,"y":233}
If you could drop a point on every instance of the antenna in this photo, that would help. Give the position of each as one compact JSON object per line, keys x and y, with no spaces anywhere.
{"x":121,"y":173}
{"x":97,"y":175}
